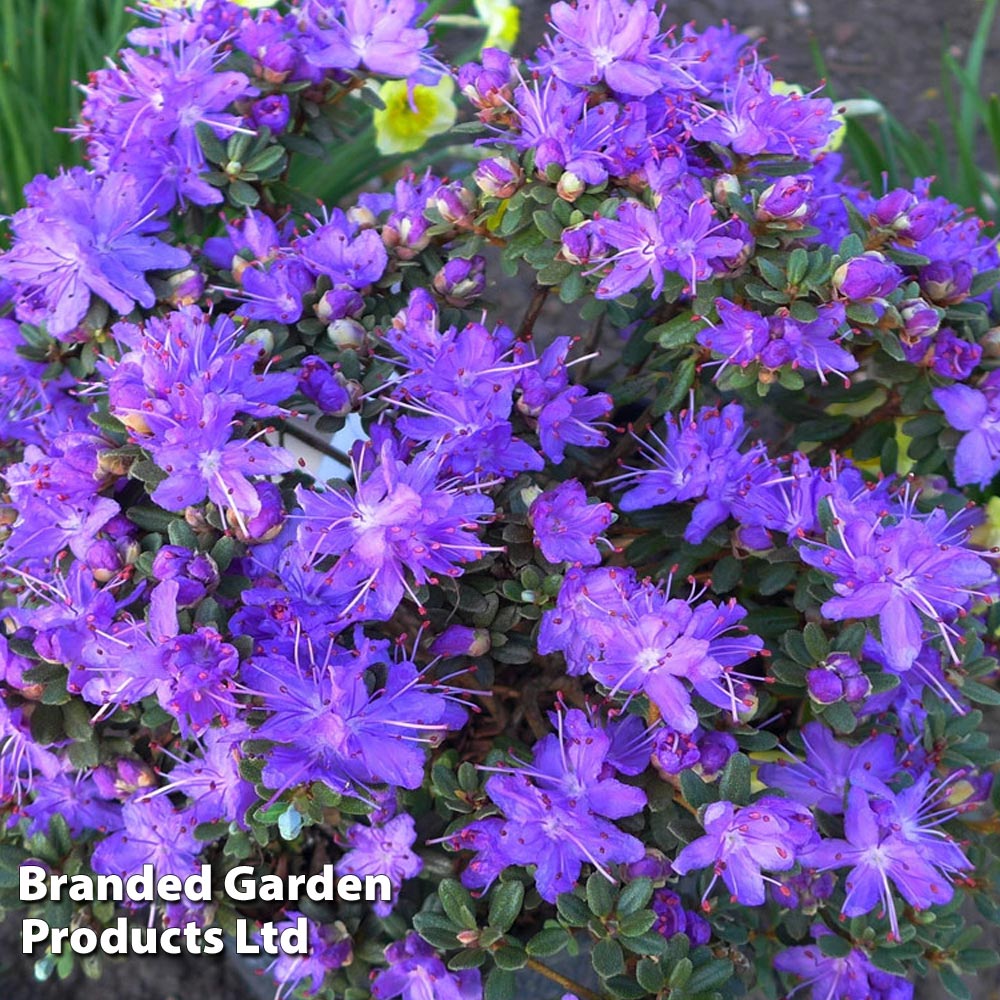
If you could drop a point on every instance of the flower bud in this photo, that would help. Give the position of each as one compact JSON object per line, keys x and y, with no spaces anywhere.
{"x":786,"y":201}
{"x":271,"y":111}
{"x":184,"y":288}
{"x":570,"y":186}
{"x":954,"y":357}
{"x":346,"y":334}
{"x":339,"y":303}
{"x":263,"y":338}
{"x":499,"y":177}
{"x":362,"y":217}
{"x":268,"y":522}
{"x":460,"y":282}
{"x":919,"y":319}
{"x":460,"y":640}
{"x":581,"y":244}
{"x":825,"y":687}
{"x":104,"y":560}
{"x":946,"y":282}
{"x":455,"y":203}
{"x":904,"y":215}
{"x":324,"y":386}
{"x":653,"y":866}
{"x":725,"y":185}
{"x":869,"y":276}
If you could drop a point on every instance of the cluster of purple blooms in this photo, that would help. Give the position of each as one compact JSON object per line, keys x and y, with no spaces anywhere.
{"x":171,"y":568}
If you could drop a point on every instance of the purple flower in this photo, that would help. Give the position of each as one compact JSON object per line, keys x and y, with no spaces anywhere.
{"x":350,"y":259}
{"x":202,"y":459}
{"x":741,"y":844}
{"x":906,"y":571}
{"x":672,"y":918}
{"x":848,"y":977}
{"x":211,"y":778}
{"x":632,"y":637}
{"x":329,"y":948}
{"x":378,"y":35}
{"x":821,"y":780}
{"x":975,"y":412}
{"x":954,"y":357}
{"x":754,"y":120}
{"x":566,"y":527}
{"x":675,"y":237}
{"x":328,"y":725}
{"x":399,"y":517}
{"x":81,"y":236}
{"x":154,"y":832}
{"x":383,"y":850}
{"x":879,"y":851}
{"x":608,"y":40}
{"x":416,"y":973}
{"x":572,"y":417}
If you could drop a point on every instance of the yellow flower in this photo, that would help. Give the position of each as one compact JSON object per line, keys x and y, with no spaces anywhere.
{"x":502,"y":20}
{"x":401,"y":129}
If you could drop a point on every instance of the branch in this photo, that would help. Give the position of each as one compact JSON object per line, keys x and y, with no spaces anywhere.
{"x":566,"y":984}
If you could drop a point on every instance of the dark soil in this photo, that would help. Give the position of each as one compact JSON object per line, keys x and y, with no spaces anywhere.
{"x":889,"y":49}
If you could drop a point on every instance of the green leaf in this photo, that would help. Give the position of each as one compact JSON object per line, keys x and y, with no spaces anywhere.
{"x":505,"y":905}
{"x":980,"y":693}
{"x":834,"y":945}
{"x":600,"y":895}
{"x":649,"y":975}
{"x":734,"y":785}
{"x":710,"y":977}
{"x":636,"y":924}
{"x":635,"y":896}
{"x":501,"y":985}
{"x":572,"y":909}
{"x":953,"y":984}
{"x":678,"y":332}
{"x":548,"y":942}
{"x":680,"y":974}
{"x":607,"y":958}
{"x":510,"y":958}
{"x":815,"y":642}
{"x":458,"y":904}
{"x":696,"y":792}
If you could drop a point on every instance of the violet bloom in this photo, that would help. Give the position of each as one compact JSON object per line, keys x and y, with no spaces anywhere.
{"x":417,"y":973}
{"x":610,"y":40}
{"x":398,"y":518}
{"x":632,"y":637}
{"x":740,"y":844}
{"x":954,"y":357}
{"x":203,"y":459}
{"x":155,"y":832}
{"x":848,"y":977}
{"x":329,"y":947}
{"x":697,"y":458}
{"x":879,"y":852}
{"x":557,"y":828}
{"x":566,"y":527}
{"x":821,"y":780}
{"x":84,"y":236}
{"x":909,"y":570}
{"x":378,"y":35}
{"x":350,"y":259}
{"x":383,"y":850}
{"x":675,"y":237}
{"x":211,"y":778}
{"x":328,"y":725}
{"x":975,"y":412}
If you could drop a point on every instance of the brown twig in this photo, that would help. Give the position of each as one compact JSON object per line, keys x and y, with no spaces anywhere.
{"x":563,"y":981}
{"x":535,"y":307}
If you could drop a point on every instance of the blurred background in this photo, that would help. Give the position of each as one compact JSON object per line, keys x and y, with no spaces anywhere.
{"x":931,"y":68}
